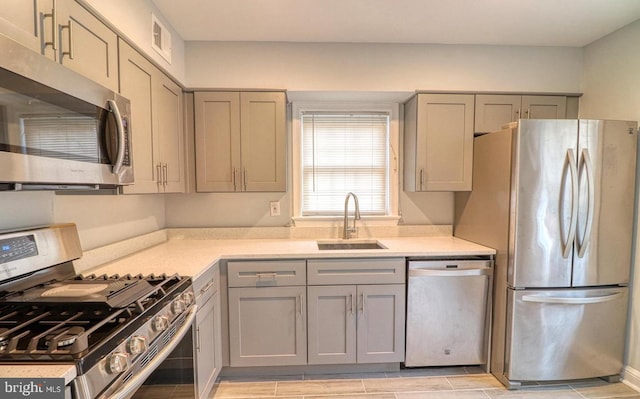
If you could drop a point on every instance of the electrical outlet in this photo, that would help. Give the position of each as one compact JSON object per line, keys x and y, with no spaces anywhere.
{"x":274,"y":208}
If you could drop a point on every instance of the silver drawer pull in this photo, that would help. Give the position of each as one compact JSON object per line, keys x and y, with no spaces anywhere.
{"x":267,"y":276}
{"x":207,"y":287}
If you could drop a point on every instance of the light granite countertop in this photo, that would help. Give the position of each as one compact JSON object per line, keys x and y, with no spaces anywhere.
{"x":191,"y":257}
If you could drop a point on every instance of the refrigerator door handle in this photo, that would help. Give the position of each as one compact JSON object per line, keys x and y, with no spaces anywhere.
{"x":573,"y":169}
{"x":582,"y":246}
{"x":571,"y":300}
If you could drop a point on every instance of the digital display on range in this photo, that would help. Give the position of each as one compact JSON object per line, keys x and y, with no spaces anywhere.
{"x":17,"y":248}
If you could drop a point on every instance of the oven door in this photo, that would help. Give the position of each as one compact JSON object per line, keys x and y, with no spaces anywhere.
{"x":126,"y":386}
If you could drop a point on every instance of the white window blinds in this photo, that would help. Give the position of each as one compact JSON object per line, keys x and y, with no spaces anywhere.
{"x":343,"y":152}
{"x":66,"y":137}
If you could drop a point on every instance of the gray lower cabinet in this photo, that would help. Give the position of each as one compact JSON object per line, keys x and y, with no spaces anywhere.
{"x":267,"y":326}
{"x":356,"y":324}
{"x":208,"y":332}
{"x":267,"y":313}
{"x":352,"y":323}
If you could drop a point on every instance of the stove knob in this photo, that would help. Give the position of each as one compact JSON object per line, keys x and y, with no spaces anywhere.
{"x":137,"y":344}
{"x":117,"y":363}
{"x":178,"y":306}
{"x":188,"y":298}
{"x":160,"y":323}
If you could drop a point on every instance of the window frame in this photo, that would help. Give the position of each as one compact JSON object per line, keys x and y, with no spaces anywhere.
{"x":393,"y":110}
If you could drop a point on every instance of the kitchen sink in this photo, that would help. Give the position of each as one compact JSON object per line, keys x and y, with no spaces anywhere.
{"x":350,"y":244}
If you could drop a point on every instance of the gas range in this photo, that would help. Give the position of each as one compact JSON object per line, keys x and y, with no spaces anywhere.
{"x":115,"y":329}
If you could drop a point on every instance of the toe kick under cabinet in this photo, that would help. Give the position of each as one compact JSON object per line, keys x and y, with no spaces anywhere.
{"x":316,"y":311}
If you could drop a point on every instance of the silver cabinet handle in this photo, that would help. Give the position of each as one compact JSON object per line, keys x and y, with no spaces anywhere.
{"x":207,"y":287}
{"x":299,"y":305}
{"x":570,"y":159}
{"x":165,"y":174}
{"x":244,"y":179}
{"x":528,"y":115}
{"x":235,"y":170}
{"x":198,"y":339}
{"x":582,"y":246}
{"x":517,"y":115}
{"x":350,"y":305}
{"x":570,"y":300}
{"x":69,"y":26}
{"x":421,"y":179}
{"x":267,"y":276}
{"x":159,"y":175}
{"x":54,"y":24}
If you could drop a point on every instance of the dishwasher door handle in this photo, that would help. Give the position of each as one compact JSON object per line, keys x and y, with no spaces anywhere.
{"x":450,"y":272}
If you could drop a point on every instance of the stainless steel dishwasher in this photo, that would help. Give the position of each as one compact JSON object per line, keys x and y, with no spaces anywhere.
{"x":448,"y":312}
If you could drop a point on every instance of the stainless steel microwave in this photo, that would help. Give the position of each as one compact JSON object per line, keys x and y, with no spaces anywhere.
{"x":58,"y":129}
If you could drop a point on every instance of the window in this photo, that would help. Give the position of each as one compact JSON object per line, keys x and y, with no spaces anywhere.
{"x":340,"y":149}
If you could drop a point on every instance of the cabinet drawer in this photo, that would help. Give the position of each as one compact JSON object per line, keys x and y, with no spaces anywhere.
{"x":207,"y":284}
{"x":274,"y":273}
{"x":356,"y":271}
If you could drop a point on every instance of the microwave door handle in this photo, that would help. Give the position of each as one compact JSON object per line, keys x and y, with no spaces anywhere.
{"x":117,"y":165}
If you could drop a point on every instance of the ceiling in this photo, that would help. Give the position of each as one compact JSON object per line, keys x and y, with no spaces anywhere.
{"x":495,"y":22}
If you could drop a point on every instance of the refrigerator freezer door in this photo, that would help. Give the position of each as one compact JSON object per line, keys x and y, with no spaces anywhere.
{"x":565,"y":334}
{"x":607,"y":166}
{"x":544,"y":201}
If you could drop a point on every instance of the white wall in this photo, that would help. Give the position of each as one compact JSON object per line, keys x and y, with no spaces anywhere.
{"x":611,"y":85}
{"x":382,"y":67}
{"x":133,"y":20}
{"x":101,"y":219}
{"x":360,"y":68}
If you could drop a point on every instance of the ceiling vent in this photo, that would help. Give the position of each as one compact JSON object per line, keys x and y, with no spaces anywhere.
{"x":160,"y":38}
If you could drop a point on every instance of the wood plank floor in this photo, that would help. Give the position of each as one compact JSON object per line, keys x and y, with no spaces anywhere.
{"x":429,"y":383}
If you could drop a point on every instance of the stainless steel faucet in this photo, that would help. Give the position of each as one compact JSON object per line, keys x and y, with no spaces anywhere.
{"x":346,"y":234}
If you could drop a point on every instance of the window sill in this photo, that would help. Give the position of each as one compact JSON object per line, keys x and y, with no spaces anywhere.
{"x":328,"y":221}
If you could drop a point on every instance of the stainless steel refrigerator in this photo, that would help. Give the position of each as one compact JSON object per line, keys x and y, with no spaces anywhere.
{"x":556,"y":199}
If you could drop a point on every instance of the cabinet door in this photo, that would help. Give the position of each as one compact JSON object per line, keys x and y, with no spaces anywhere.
{"x":263,"y":132}
{"x":170,"y":134}
{"x":381,"y":321}
{"x":493,"y":110}
{"x":267,"y":326}
{"x":29,"y":23}
{"x":444,"y":142}
{"x":217,"y":133}
{"x":136,"y":84}
{"x":208,"y":354}
{"x":544,"y":107}
{"x":86,"y":45}
{"x":332,"y":324}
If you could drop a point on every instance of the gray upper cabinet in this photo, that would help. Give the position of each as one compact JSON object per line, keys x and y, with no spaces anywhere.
{"x":438,"y":142}
{"x":30,"y":23}
{"x":66,"y":32}
{"x":492,"y":111}
{"x":156,"y":125}
{"x":240,"y":141}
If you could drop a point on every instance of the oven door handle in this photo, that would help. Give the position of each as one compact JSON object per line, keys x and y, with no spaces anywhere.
{"x":130,"y":388}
